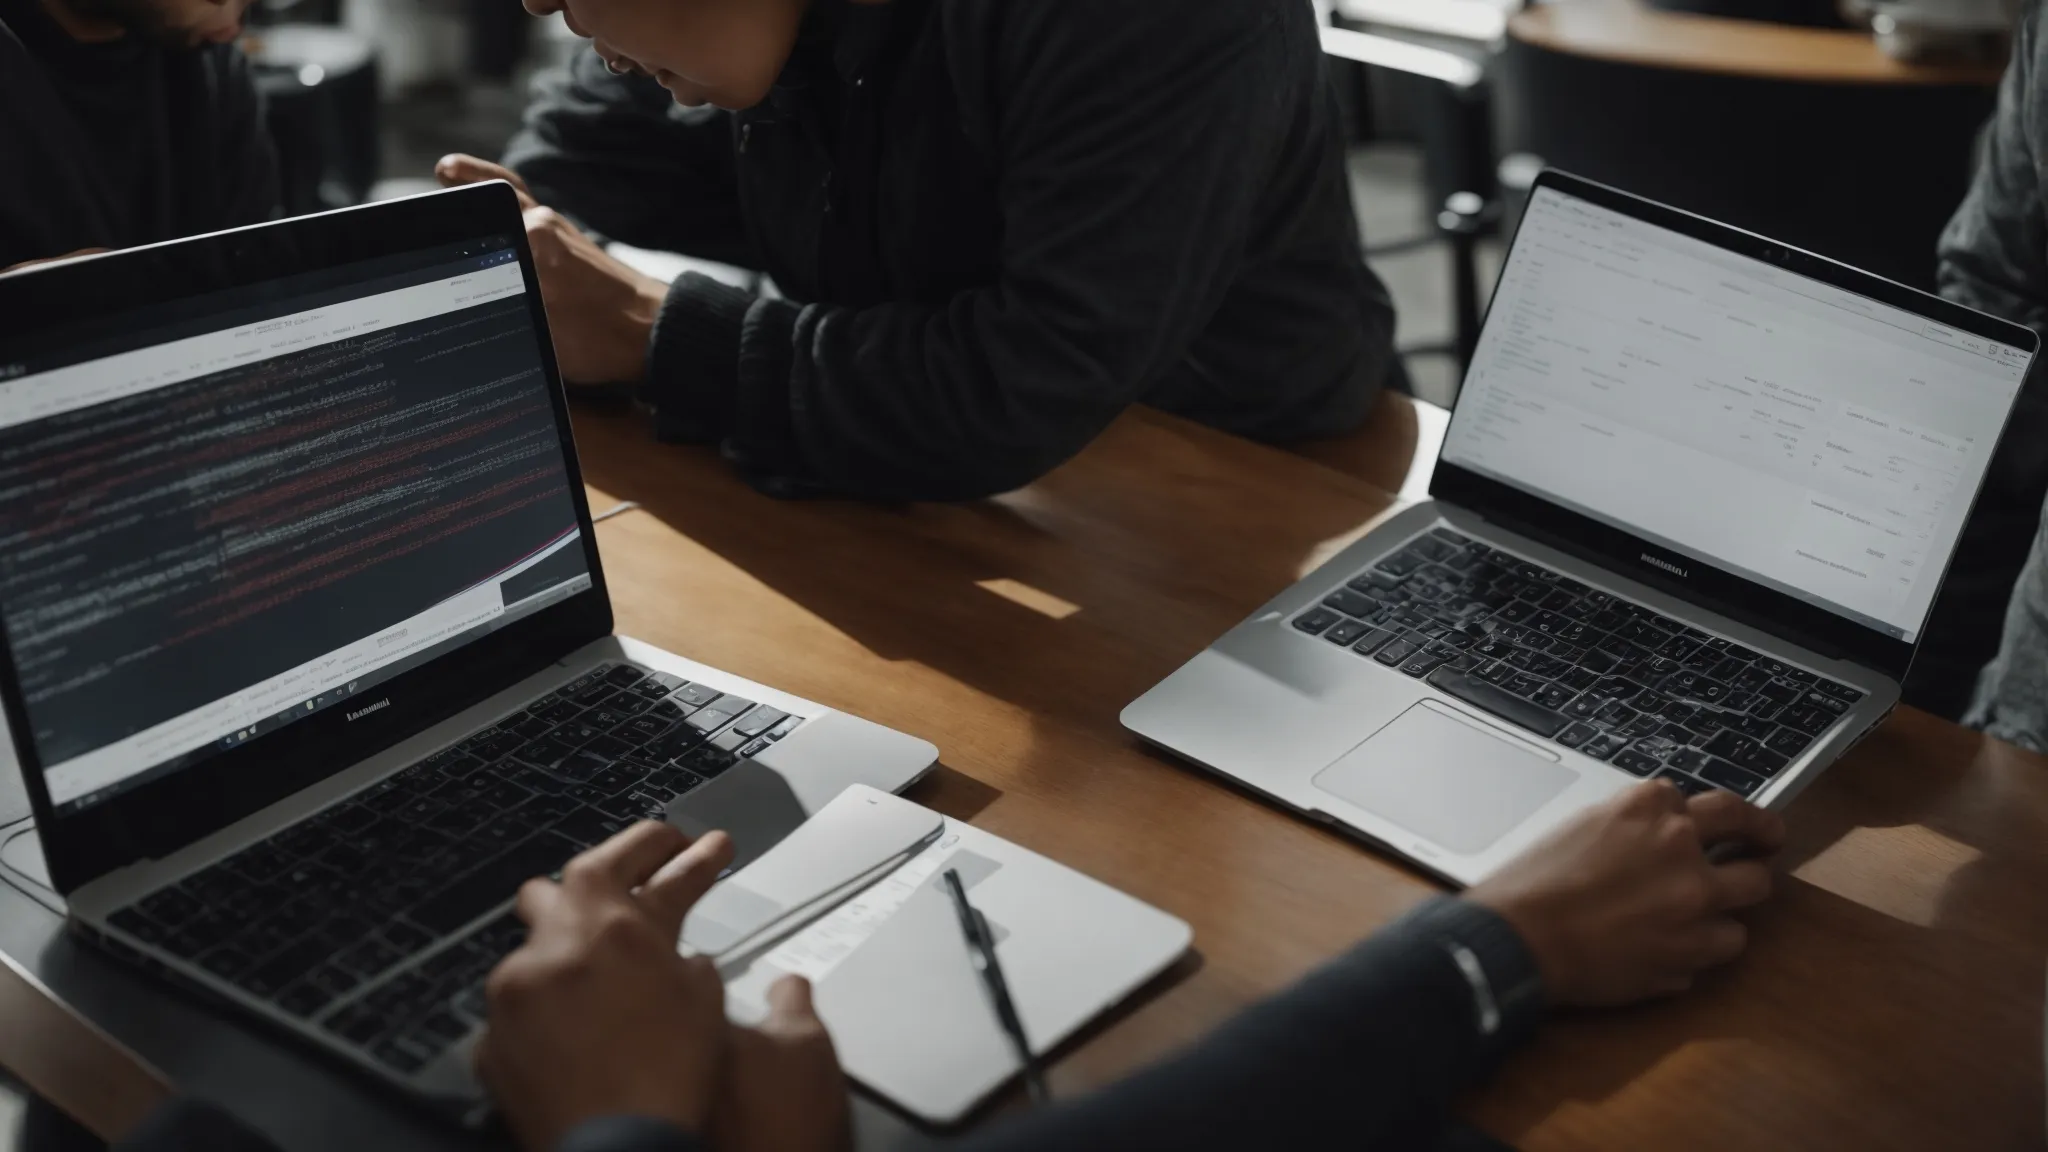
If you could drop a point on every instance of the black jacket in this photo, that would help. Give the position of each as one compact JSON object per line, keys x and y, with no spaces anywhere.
{"x":997,"y":224}
{"x":198,"y":124}
{"x":1368,"y":1054}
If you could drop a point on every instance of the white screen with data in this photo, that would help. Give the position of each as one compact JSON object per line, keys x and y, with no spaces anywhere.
{"x":1813,"y":440}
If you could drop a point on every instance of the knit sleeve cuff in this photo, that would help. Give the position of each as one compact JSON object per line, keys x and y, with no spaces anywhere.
{"x":1508,"y":1002}
{"x":761,"y":442}
{"x":693,"y":359}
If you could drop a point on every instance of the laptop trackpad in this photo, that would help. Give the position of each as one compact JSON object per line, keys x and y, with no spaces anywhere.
{"x":1446,"y":779}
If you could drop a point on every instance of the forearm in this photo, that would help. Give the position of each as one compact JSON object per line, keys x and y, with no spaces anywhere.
{"x":1368,"y":1053}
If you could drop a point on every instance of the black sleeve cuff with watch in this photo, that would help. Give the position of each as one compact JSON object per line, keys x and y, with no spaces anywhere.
{"x":718,"y":367}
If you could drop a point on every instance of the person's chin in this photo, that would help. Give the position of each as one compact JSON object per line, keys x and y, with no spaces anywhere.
{"x":696,"y":95}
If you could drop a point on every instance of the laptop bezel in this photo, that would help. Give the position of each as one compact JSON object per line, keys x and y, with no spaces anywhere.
{"x":159,"y":817}
{"x":1688,"y":576}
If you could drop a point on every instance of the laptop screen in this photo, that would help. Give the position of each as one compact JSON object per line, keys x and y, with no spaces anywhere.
{"x":1815,"y":441}
{"x":229,"y":513}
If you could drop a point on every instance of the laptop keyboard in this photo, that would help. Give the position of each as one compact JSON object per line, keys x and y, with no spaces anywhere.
{"x":363,"y":918}
{"x":1580,"y":667}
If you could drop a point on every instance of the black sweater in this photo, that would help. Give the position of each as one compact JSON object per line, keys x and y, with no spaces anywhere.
{"x":124,"y":143}
{"x":997,"y":224}
{"x":1366,"y":1055}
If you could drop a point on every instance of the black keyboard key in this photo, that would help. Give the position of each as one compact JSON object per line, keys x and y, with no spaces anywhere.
{"x":1759,"y":759}
{"x":1393,"y":654}
{"x":711,"y":719}
{"x":1788,"y":742}
{"x":370,"y":958}
{"x":582,"y":765}
{"x":1812,"y":721}
{"x":1706,"y":691}
{"x":1632,"y":761}
{"x":1641,"y":727}
{"x":1727,"y":744}
{"x":1587,"y":706}
{"x":1825,"y":703}
{"x":1499,"y":702}
{"x":1753,"y":727}
{"x":1779,"y":692}
{"x":169,"y":907}
{"x":1722,"y":774}
{"x":763,"y":718}
{"x":1603,"y":746}
{"x":593,"y":695}
{"x":1372,"y":641}
{"x":709,"y":761}
{"x":1351,"y":603}
{"x":1315,"y":621}
{"x":1842,"y":692}
{"x":1423,"y":663}
{"x":304,"y":999}
{"x":1344,"y":633}
{"x":494,"y":883}
{"x":1687,"y":759}
{"x":274,"y":974}
{"x":624,"y":676}
{"x":587,"y":827}
{"x":1616,"y":714}
{"x":1684,"y":783}
{"x":1576,"y":735}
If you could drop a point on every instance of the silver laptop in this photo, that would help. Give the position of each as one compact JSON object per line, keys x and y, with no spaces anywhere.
{"x":1690,"y":516}
{"x":308,"y":656}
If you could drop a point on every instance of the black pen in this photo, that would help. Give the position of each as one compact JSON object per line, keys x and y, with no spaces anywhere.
{"x":981,"y":948}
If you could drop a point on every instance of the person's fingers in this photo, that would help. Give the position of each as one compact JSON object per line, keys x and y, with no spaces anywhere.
{"x":625,"y":861}
{"x":1719,"y":941}
{"x":537,"y":899}
{"x":676,"y":887}
{"x":790,"y":1010}
{"x":1649,"y":797}
{"x":1740,"y":884}
{"x":460,"y":168}
{"x":1723,"y":816}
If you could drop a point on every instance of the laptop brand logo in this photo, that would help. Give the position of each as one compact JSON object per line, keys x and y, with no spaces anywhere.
{"x":379,"y":706}
{"x":1666,"y":565}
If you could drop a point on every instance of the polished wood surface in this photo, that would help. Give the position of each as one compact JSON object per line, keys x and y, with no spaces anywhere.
{"x":1631,"y":32}
{"x":1894,"y":994}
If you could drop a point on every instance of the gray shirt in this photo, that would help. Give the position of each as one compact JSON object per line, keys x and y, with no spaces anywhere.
{"x":1994,"y":256}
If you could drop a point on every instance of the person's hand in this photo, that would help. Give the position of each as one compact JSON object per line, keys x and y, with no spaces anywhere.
{"x":600,"y":311}
{"x":82,"y":252}
{"x":783,"y":1090}
{"x":598,"y":1014}
{"x":1623,"y":904}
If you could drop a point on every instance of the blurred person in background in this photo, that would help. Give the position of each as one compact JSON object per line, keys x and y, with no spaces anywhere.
{"x":1994,"y":257}
{"x":997,"y":225}
{"x":126,"y":122}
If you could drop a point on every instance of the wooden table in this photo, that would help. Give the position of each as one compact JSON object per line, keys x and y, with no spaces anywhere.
{"x":1632,"y":32}
{"x":1894,"y":994}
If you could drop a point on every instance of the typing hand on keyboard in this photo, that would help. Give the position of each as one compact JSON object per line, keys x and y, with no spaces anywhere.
{"x":1626,"y":902}
{"x":597,"y":1014}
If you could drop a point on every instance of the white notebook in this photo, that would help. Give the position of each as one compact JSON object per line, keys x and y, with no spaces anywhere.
{"x":895,"y":984}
